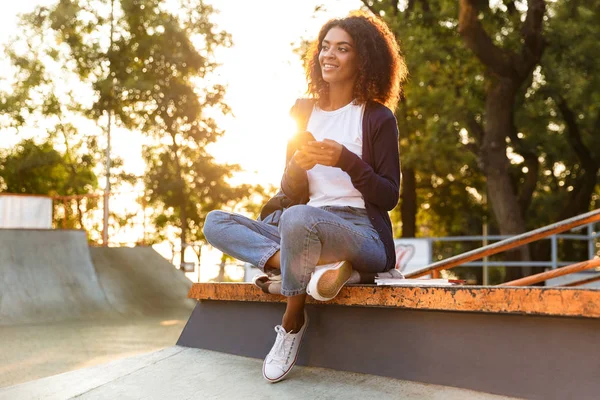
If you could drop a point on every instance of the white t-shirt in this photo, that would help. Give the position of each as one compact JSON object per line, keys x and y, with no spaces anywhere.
{"x":330,"y":186}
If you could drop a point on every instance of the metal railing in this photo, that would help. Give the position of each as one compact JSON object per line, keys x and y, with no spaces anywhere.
{"x":507,"y":243}
{"x":555,"y":273}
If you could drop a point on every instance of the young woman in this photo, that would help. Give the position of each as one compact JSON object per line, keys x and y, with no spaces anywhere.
{"x":343,"y":182}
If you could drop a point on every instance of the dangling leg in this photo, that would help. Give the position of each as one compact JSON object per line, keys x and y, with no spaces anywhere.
{"x":312,"y":236}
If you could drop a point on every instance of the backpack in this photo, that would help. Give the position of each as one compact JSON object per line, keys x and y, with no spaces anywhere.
{"x":275,"y":206}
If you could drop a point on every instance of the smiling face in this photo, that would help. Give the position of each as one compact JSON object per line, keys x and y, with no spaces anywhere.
{"x":338,"y":57}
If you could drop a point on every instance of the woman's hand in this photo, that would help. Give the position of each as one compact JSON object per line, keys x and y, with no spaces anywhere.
{"x":303,"y":160}
{"x":326,"y":153}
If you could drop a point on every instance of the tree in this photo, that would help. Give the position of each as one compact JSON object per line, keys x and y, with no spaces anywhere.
{"x":29,"y":168}
{"x":472,"y":91}
{"x":438,"y":175}
{"x":147,"y":66}
{"x":564,"y":108}
{"x":508,"y":67}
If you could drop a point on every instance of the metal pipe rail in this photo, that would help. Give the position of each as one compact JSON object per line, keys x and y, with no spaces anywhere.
{"x":542,"y":276}
{"x":508,"y":244}
{"x":581,"y":282}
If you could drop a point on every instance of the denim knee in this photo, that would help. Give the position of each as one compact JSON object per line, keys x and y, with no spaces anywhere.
{"x":294,"y":220}
{"x":212,"y":224}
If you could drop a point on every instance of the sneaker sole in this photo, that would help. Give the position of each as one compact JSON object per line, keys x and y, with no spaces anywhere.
{"x":325,"y":284}
{"x":295,"y":358}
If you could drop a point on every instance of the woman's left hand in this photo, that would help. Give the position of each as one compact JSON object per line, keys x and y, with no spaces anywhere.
{"x":326,"y":153}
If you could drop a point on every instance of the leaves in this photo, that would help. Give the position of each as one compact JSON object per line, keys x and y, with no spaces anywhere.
{"x":147,"y":65}
{"x":443,"y":118}
{"x":40,"y":169}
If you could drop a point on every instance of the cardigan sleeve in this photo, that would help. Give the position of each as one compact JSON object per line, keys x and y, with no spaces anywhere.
{"x":380,"y":184}
{"x":294,"y":182}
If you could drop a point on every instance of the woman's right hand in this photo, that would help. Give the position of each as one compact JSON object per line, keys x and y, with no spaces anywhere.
{"x":303,"y":160}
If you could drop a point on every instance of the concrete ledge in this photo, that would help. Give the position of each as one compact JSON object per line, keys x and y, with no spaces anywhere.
{"x":562,"y":302}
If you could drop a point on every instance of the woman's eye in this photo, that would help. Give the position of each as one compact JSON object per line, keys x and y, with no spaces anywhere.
{"x":324,"y":48}
{"x":342,"y":49}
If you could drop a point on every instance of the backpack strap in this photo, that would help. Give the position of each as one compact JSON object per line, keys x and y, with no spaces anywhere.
{"x":301,"y":112}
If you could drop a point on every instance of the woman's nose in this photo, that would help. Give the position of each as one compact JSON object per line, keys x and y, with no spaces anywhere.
{"x":329,"y":53}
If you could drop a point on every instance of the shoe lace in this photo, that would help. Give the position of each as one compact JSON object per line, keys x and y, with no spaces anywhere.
{"x":281,"y":349}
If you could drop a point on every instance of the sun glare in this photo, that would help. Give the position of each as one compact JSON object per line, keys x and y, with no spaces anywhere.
{"x":257,"y":144}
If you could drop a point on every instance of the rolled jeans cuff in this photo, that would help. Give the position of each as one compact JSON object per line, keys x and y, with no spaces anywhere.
{"x":290,"y":293}
{"x":267,"y":256}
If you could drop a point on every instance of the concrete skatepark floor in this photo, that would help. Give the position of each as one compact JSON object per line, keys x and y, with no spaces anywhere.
{"x":186,"y":373}
{"x":36,"y":351}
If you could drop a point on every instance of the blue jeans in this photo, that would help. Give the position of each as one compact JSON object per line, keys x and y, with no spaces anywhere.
{"x":306,"y":236}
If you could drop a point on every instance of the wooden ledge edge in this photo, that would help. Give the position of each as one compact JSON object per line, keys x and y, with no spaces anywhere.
{"x":563,"y":302}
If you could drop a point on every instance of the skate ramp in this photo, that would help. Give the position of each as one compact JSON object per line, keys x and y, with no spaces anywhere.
{"x":53,"y":275}
{"x":139,"y":281}
{"x":47,"y":276}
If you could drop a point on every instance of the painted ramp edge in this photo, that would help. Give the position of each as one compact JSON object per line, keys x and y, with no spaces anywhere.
{"x":564,"y":302}
{"x":182,"y":373}
{"x":511,"y":355}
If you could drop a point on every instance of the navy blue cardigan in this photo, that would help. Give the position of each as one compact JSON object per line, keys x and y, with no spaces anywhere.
{"x":376,"y":176}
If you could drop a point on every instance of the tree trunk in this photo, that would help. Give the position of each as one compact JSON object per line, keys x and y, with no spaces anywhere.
{"x":183,"y":217}
{"x":507,"y":71}
{"x":221,"y":276}
{"x":80,"y":213}
{"x":182,"y":197}
{"x":496,"y":166}
{"x":408,"y":206}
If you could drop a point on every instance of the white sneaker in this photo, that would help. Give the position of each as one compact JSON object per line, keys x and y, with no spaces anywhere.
{"x":270,"y":284}
{"x":327,"y":281}
{"x":283,"y":354}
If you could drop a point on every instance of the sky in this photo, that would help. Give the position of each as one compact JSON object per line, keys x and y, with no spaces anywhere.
{"x":263,"y":75}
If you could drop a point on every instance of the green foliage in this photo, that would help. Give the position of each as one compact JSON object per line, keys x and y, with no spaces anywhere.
{"x":563,"y":105}
{"x":442,"y":117}
{"x":150,"y":68}
{"x":29,"y":168}
{"x":203,"y":189}
{"x":441,"y":96}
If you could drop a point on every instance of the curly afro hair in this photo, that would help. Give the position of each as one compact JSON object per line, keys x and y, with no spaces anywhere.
{"x":382,"y":69}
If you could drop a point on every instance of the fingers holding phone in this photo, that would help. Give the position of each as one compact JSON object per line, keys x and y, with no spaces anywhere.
{"x":300,"y":139}
{"x":326,"y":153}
{"x":298,"y":143}
{"x":303,"y":160}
